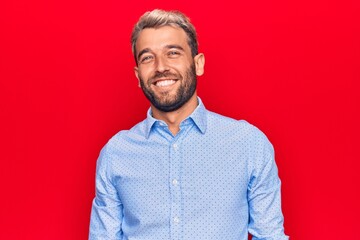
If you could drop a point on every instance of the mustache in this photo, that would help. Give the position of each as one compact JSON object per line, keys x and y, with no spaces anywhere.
{"x":164,"y":75}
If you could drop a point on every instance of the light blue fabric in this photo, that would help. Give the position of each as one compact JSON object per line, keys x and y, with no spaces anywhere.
{"x":215,"y":180}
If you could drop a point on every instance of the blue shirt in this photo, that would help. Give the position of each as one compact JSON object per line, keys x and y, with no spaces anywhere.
{"x":215,"y":180}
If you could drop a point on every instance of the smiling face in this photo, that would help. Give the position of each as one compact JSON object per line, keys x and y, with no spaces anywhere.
{"x":165,"y":68}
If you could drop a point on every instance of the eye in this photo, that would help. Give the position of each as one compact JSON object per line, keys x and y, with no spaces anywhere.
{"x":146,"y":59}
{"x":173,"y":53}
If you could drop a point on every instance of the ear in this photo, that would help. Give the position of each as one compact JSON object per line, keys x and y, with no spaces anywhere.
{"x":199,"y":64}
{"x":136,"y":71}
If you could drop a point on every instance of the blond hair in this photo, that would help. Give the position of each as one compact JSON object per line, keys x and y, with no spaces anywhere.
{"x":159,"y":18}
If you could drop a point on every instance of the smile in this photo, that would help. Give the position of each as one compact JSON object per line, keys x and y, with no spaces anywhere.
{"x":165,"y":83}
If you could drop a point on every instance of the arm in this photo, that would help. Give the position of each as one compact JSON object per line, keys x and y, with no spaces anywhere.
{"x":106,"y":213}
{"x":264,"y":197}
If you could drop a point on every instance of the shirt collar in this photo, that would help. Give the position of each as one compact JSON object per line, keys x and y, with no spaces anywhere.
{"x":198,"y":116}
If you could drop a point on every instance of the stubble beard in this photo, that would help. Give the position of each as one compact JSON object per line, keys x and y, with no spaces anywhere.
{"x":165,"y":102}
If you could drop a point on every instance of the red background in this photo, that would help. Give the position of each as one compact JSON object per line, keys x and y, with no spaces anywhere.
{"x":67,"y":85}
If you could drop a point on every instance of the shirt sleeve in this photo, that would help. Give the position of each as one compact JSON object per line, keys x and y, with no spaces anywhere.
{"x":106,"y":212}
{"x":264,"y":197}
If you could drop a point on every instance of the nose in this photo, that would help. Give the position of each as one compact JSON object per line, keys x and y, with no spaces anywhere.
{"x":161,"y":64}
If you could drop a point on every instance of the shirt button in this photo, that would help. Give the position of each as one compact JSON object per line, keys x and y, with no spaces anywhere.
{"x":175,"y":146}
{"x":176,"y":220}
{"x":175,"y":182}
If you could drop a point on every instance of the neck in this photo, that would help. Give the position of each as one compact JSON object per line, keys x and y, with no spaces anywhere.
{"x":173,"y":119}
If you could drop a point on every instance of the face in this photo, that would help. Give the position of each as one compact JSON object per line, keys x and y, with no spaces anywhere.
{"x":166,"y":69}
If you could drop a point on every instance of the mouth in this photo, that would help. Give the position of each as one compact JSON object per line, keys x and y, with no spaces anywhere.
{"x":164,"y":82}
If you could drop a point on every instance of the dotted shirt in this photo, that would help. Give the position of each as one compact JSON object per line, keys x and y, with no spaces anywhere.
{"x":216,"y":179}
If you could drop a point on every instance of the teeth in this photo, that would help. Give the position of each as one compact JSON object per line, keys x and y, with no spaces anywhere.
{"x":164,"y":83}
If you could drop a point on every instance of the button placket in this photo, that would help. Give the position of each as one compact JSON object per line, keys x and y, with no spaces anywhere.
{"x":175,"y":166}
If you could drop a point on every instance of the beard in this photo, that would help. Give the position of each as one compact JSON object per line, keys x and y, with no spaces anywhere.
{"x":165,"y":101}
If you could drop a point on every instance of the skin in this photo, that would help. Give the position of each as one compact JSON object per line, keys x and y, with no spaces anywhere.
{"x":164,"y":61}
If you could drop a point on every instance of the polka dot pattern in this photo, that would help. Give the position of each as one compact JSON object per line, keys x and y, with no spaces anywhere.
{"x":215,"y":180}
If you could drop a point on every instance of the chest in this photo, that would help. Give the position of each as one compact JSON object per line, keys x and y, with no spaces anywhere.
{"x":184,"y":172}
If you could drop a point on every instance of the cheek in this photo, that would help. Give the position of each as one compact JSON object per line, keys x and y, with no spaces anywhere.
{"x":144,"y":74}
{"x":182,"y":66}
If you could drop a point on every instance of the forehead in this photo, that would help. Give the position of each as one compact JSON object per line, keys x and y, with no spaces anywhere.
{"x":158,"y":38}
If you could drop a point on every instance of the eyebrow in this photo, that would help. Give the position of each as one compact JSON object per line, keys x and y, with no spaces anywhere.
{"x":146,"y":50}
{"x":174,"y":46}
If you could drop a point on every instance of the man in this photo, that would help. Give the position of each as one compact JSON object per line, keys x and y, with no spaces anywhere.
{"x":184,"y":172}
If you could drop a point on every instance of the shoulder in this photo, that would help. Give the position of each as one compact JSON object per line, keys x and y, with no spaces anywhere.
{"x":123,"y":139}
{"x":241,"y":128}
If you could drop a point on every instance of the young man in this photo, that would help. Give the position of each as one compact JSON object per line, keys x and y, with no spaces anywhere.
{"x":184,"y":172}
